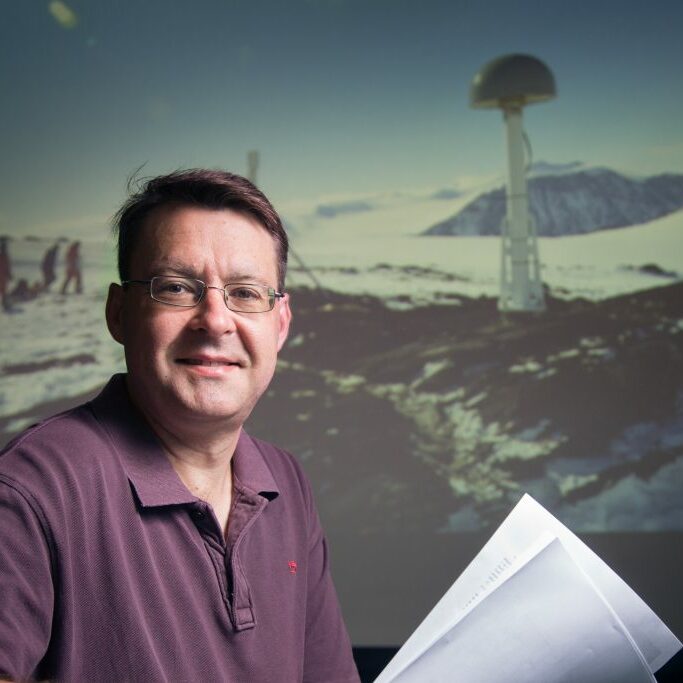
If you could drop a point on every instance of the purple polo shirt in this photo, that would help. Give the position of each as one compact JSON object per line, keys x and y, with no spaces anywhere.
{"x":111,"y":570}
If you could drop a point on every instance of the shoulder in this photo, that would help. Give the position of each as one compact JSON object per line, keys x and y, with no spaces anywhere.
{"x":57,"y":426}
{"x":57,"y":456}
{"x":66,"y":433}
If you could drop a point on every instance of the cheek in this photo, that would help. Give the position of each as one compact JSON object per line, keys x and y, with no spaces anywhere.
{"x":146,"y":335}
{"x":271,"y":338}
{"x":260,"y":342}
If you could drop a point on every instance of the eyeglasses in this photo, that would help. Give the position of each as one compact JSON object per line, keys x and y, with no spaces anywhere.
{"x":186,"y":291}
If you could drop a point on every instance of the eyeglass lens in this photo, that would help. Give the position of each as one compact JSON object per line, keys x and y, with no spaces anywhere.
{"x":182,"y":291}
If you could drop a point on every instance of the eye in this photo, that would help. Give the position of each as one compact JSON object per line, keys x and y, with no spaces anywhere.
{"x":244,"y":293}
{"x":176,"y":288}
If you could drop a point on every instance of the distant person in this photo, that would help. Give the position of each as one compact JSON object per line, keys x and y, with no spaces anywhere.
{"x":73,"y":267}
{"x":48,"y":266}
{"x":5,"y":274}
{"x":23,"y":291}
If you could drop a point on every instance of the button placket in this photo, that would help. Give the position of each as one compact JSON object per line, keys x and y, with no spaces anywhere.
{"x":241,"y":601}
{"x":204,"y":521}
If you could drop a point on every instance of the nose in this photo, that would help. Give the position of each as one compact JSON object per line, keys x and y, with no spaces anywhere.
{"x":212,"y":315}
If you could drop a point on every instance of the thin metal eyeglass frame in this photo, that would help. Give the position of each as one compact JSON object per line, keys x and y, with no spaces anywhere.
{"x":273,"y":295}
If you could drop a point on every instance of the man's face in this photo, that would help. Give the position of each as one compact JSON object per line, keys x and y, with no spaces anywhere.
{"x":205,"y":363}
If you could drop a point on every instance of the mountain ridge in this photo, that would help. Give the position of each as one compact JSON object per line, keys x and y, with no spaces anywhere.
{"x":572,"y":202}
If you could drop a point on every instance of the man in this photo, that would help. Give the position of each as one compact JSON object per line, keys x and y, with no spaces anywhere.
{"x":47,"y":266}
{"x":72,"y":261}
{"x":144,"y":536}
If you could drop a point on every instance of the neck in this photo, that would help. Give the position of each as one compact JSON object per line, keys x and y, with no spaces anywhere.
{"x":203,"y":461}
{"x":206,"y":447}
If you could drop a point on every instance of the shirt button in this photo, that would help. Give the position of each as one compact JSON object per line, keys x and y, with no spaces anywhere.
{"x":198,"y":514}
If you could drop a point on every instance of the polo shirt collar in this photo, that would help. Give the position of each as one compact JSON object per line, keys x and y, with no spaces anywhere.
{"x":148,"y":468}
{"x":250,"y":468}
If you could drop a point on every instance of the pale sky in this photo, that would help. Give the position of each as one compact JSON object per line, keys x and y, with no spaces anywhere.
{"x":341,"y":97}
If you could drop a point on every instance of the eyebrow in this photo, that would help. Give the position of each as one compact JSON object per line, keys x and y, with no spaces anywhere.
{"x":173,"y":267}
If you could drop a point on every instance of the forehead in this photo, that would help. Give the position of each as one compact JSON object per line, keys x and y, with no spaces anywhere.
{"x":203,"y":241}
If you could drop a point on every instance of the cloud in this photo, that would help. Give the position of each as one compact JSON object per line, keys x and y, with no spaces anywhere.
{"x":334,"y":209}
{"x":447,"y":193}
{"x":63,"y":14}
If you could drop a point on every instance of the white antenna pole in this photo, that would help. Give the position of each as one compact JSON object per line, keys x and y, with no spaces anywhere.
{"x":521,"y":288}
{"x":510,"y":83}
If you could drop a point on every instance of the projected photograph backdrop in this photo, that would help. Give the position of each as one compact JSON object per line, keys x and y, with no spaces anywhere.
{"x":420,"y":411}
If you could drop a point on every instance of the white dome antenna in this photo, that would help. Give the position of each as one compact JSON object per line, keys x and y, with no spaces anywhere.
{"x":510,"y":83}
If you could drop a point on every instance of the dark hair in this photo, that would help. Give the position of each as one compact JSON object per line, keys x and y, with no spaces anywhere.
{"x":205,"y":188}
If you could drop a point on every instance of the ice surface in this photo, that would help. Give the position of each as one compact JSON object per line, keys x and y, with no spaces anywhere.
{"x":345,"y":253}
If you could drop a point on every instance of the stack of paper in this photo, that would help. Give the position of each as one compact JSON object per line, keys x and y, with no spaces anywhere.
{"x":536,"y":605}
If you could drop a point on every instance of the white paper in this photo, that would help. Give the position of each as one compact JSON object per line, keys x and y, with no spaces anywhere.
{"x":563,"y":633}
{"x":516,"y":544}
{"x":657,"y":643}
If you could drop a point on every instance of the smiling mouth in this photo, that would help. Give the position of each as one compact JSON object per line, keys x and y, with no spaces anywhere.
{"x":206,"y":363}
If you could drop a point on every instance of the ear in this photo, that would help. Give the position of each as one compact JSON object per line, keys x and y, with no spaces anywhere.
{"x":284,"y":319}
{"x":114,"y":311}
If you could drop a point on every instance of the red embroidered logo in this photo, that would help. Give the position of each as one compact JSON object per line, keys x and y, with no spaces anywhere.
{"x":292,"y":566}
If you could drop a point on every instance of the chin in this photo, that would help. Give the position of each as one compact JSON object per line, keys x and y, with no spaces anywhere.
{"x":210,"y":411}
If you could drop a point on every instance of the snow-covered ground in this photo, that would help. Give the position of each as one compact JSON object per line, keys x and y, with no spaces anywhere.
{"x":344,"y":253}
{"x":54,"y":347}
{"x":371,"y":247}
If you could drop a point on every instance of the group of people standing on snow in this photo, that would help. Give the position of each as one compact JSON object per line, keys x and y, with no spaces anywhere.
{"x":23,"y":291}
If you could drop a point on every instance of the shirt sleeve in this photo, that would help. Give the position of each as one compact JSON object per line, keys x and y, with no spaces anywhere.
{"x":26,"y":584}
{"x":328,"y":656}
